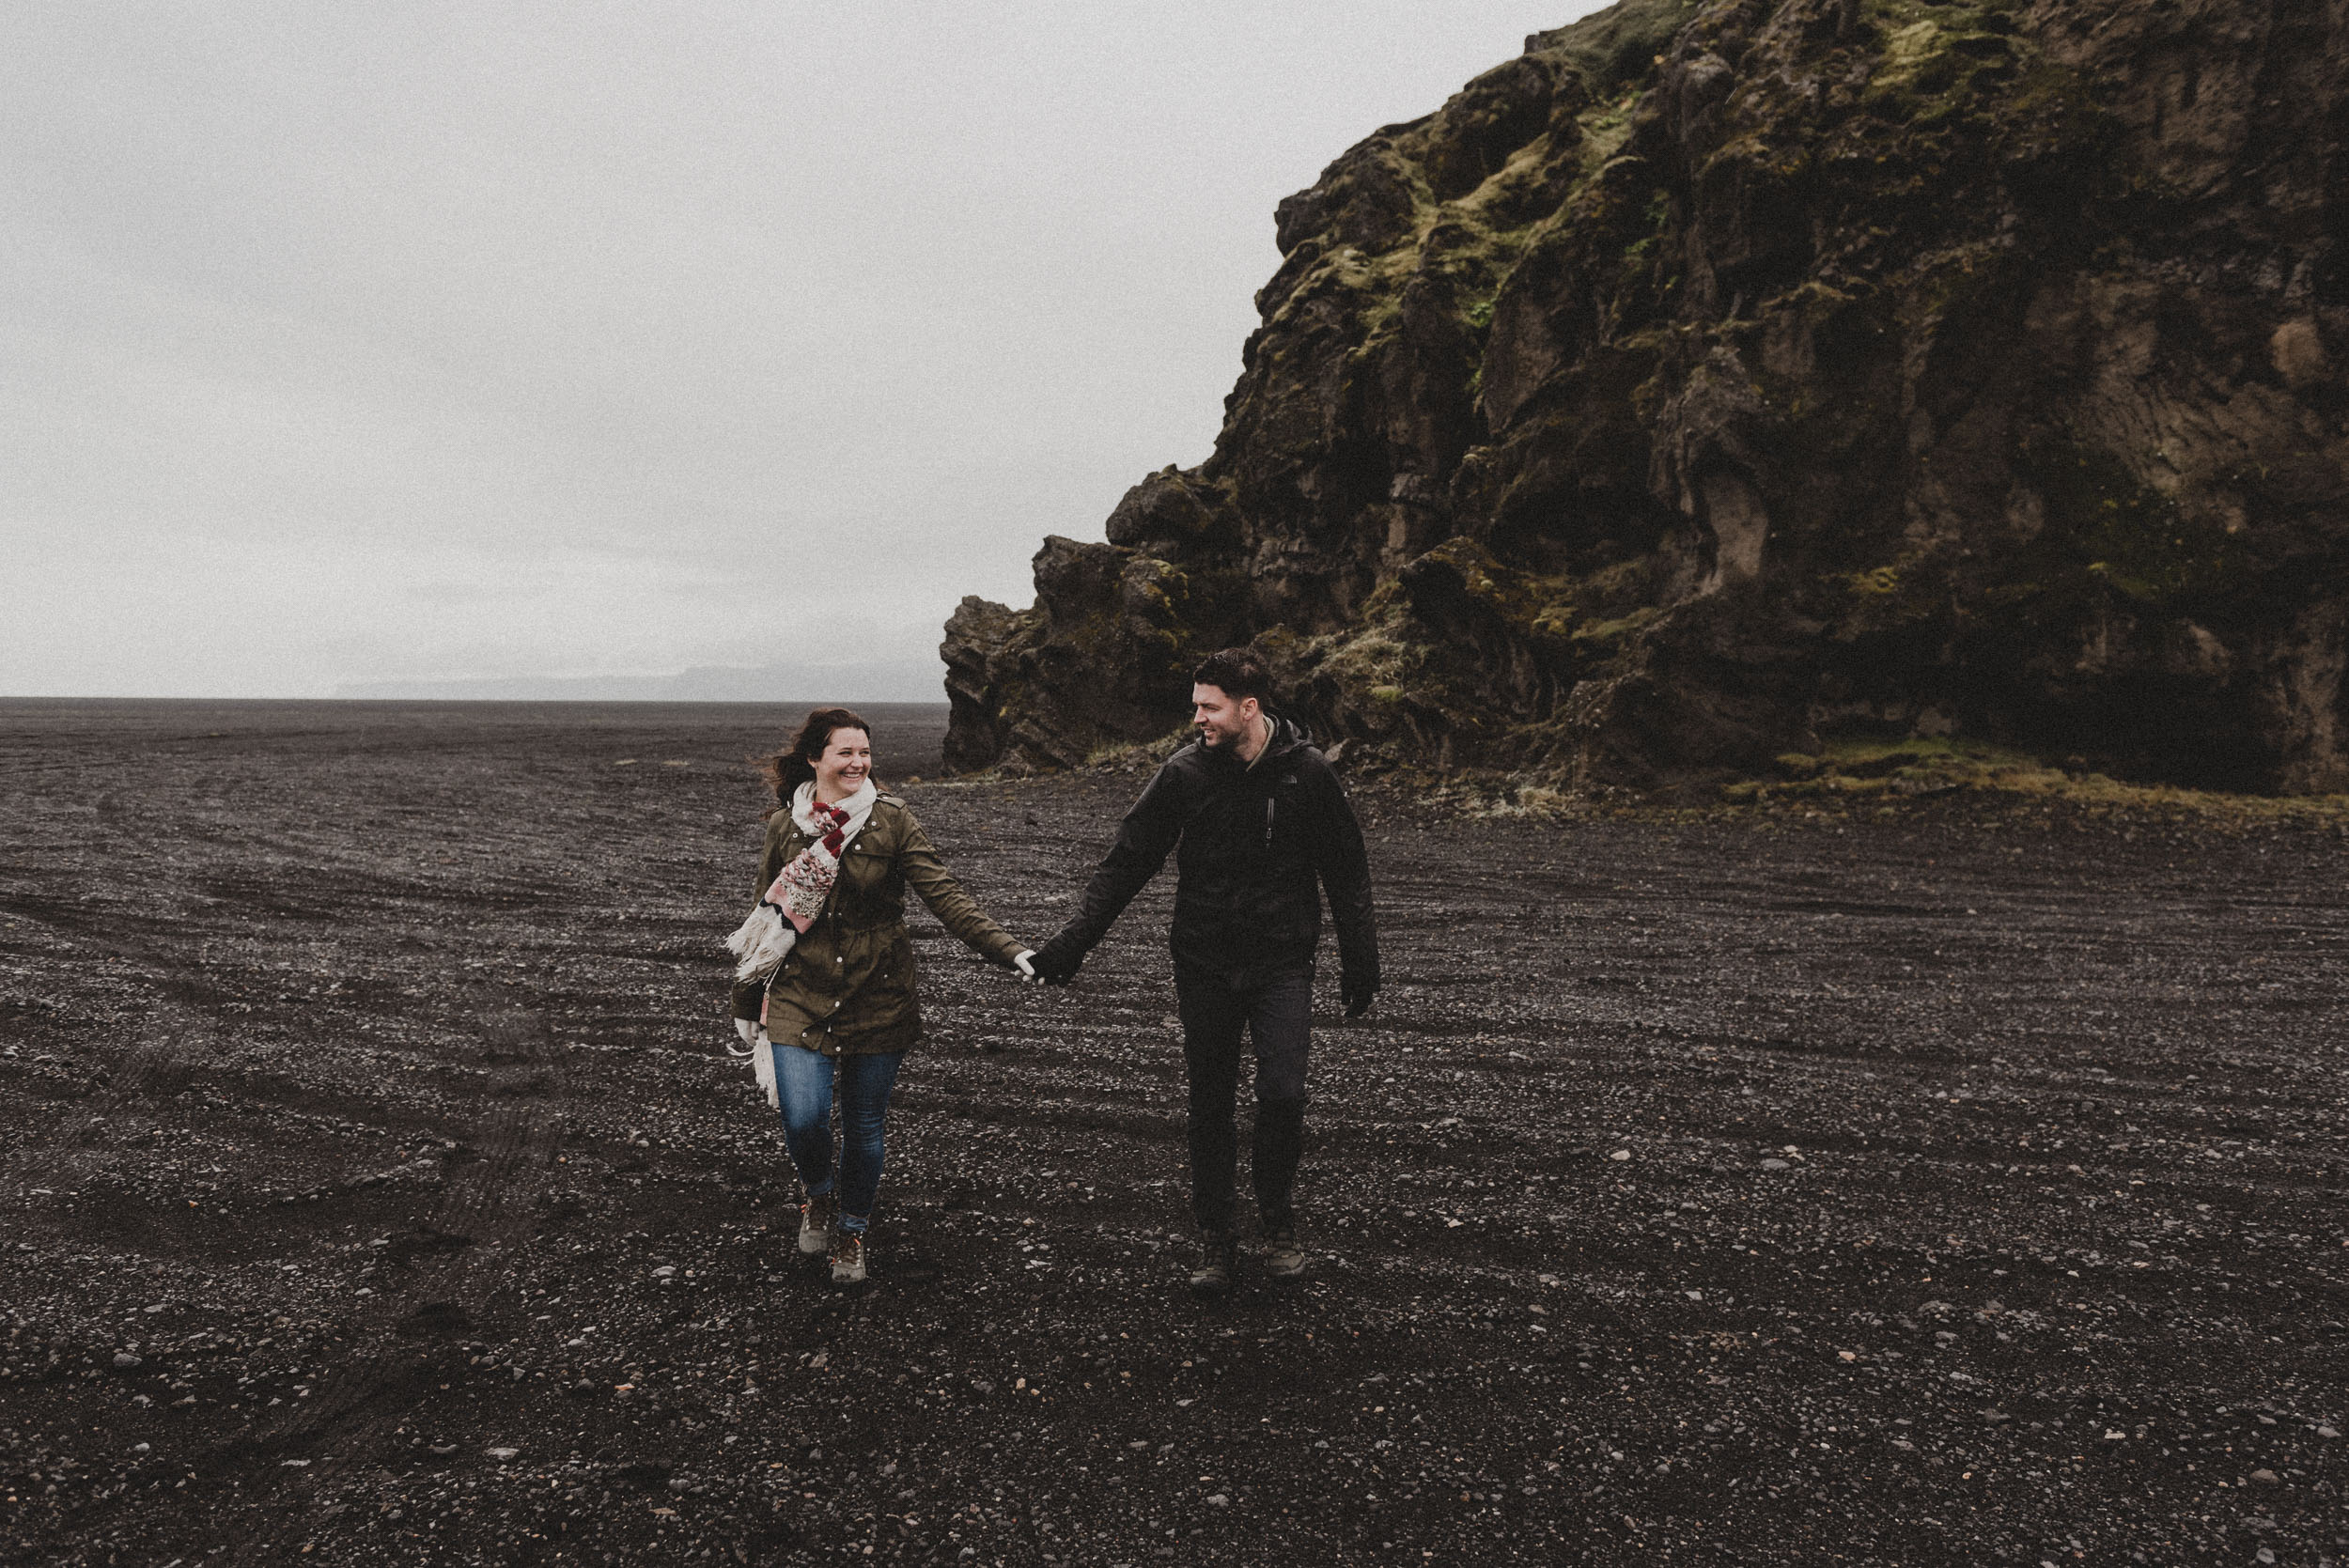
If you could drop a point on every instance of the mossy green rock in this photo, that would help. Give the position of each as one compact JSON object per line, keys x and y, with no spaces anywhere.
{"x":1713,"y":382}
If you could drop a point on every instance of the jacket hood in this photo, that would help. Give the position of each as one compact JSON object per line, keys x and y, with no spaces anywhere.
{"x":1287,"y":736}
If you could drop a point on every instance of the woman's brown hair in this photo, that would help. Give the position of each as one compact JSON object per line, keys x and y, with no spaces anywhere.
{"x":796,"y":765}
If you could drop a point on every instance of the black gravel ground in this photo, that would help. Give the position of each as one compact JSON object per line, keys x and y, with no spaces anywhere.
{"x":1959,"y":1189}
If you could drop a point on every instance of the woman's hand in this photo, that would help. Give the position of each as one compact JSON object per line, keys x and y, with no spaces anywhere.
{"x":748,"y":1028}
{"x":1026,"y":967}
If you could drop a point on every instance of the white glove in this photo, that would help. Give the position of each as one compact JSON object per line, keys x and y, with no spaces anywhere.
{"x":1027,"y":970}
{"x":748,"y":1028}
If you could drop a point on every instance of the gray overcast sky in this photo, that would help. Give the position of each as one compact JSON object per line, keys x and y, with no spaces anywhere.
{"x":399,"y":341}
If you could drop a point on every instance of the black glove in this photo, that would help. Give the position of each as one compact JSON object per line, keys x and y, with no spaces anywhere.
{"x":1357,"y":991}
{"x":1057,"y":961}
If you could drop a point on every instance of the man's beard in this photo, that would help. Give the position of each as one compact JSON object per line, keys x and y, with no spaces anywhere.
{"x":1216,"y":738}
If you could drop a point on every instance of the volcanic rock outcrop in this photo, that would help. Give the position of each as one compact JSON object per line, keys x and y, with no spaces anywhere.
{"x":1714,"y":380}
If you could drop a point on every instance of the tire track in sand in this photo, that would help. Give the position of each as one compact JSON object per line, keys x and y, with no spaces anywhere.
{"x":487,"y":1204}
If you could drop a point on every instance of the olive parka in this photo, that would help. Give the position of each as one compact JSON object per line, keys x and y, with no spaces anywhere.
{"x":847,"y":986}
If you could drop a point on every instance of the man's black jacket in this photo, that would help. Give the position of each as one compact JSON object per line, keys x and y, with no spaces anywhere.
{"x":1252,"y":841}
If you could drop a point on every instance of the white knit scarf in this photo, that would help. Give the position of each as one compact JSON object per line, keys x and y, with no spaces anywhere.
{"x":793,"y":901}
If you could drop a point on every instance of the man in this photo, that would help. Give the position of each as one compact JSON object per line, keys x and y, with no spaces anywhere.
{"x":1258,"y":816}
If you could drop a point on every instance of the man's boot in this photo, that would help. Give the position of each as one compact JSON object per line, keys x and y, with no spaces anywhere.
{"x":1283,"y":1258}
{"x":818,"y":1216}
{"x":1218,"y":1252}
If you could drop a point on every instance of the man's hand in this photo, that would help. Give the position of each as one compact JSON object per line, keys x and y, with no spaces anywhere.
{"x":1057,"y":962}
{"x":1357,"y":991}
{"x":1025,"y":964}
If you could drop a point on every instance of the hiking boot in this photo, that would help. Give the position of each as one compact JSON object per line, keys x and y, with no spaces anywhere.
{"x":1284,"y":1259}
{"x":816,"y":1218}
{"x":1213,"y":1276}
{"x":848,"y":1257}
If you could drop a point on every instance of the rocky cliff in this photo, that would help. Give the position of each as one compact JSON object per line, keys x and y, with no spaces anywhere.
{"x":1712,"y":379}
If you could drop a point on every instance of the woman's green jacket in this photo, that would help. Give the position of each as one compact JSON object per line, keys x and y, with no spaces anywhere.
{"x":847,"y":986}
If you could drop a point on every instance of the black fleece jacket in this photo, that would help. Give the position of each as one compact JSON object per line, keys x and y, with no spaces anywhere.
{"x":1252,"y":842}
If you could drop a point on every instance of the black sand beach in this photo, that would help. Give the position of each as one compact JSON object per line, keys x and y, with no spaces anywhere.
{"x":1960,"y":1188}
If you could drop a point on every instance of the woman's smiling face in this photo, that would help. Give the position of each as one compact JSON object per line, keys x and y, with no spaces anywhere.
{"x":842,"y":767}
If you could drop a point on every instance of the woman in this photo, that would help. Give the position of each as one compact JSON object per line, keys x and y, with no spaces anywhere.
{"x":824,"y":988}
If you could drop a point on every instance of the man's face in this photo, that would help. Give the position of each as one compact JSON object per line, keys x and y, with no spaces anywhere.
{"x":1221,"y":721}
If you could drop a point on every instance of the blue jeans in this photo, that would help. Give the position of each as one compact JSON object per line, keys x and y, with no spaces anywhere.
{"x":803,"y":1085}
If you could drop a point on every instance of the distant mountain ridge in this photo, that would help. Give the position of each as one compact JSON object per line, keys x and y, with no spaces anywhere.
{"x":904,"y":680}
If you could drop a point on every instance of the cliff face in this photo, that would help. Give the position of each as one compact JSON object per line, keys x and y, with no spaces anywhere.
{"x":1712,"y":379}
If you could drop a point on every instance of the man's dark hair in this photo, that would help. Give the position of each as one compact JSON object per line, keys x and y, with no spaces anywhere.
{"x":1240,"y":672}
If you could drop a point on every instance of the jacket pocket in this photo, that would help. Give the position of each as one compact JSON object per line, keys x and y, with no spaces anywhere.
{"x":863,"y":871}
{"x":893,"y":975}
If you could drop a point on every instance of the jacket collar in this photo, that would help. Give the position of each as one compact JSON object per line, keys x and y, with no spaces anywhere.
{"x":1282,"y":738}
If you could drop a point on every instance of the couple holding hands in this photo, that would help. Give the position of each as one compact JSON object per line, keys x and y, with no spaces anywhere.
{"x":824,"y":994}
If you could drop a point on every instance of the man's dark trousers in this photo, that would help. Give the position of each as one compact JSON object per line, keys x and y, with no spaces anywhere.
{"x":1275,"y":1014}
